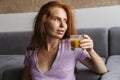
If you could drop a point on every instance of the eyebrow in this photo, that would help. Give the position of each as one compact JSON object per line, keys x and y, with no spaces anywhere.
{"x":57,"y":17}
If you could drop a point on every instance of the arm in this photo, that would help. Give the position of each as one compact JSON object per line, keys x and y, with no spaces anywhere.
{"x":93,"y":61}
{"x":26,"y":73}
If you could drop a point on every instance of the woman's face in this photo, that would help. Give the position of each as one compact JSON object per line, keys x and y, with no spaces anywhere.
{"x":56,"y":23}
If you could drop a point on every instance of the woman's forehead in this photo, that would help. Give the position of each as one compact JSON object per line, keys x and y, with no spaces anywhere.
{"x":58,"y":11}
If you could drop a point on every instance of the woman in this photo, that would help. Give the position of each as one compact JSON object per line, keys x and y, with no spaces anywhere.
{"x":49,"y":55}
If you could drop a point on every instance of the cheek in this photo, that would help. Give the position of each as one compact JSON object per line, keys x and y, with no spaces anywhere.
{"x":66,"y":27}
{"x":53,"y":26}
{"x":50,"y":28}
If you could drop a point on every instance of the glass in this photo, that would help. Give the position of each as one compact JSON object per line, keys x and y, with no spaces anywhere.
{"x":75,"y":41}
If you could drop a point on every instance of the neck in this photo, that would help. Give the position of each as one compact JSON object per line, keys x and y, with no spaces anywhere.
{"x":52,"y":44}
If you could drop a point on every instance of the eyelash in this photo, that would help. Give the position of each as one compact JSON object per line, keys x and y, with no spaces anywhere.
{"x":58,"y":19}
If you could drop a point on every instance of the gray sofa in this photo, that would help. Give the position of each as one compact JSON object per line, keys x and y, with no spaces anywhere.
{"x":106,"y":43}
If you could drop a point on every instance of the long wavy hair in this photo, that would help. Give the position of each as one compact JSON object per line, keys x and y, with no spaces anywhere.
{"x":39,"y":34}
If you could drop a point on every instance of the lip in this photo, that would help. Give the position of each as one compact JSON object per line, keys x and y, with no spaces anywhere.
{"x":60,"y":31}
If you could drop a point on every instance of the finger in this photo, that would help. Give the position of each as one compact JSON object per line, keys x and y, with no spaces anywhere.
{"x":89,"y":43}
{"x":86,"y":46}
{"x":85,"y":36}
{"x":86,"y":41}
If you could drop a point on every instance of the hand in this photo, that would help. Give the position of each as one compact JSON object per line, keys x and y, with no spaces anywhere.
{"x":86,"y":43}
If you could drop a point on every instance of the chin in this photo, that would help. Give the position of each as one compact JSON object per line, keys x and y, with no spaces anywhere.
{"x":60,"y":36}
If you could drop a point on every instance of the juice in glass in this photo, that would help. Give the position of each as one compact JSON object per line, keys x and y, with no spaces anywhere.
{"x":75,"y":41}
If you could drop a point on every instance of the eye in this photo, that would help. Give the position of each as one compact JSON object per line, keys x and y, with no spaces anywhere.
{"x":65,"y":20}
{"x":56,"y":19}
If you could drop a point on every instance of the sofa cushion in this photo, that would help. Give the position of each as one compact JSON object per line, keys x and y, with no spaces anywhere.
{"x":114,"y":41}
{"x":100,"y":38}
{"x":14,"y":42}
{"x":9,"y":61}
{"x":13,"y":73}
{"x":83,"y":71}
{"x":113,"y":66}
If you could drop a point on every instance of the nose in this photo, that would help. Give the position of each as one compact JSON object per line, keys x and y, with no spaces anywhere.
{"x":62,"y":24}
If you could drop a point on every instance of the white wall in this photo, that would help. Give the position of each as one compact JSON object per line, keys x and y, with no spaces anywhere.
{"x":17,"y":22}
{"x":85,"y":18}
{"x":98,"y":17}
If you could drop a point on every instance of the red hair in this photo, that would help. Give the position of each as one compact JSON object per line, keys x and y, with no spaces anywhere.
{"x":39,"y":34}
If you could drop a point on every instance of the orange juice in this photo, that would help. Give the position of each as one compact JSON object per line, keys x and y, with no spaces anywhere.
{"x":75,"y":43}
